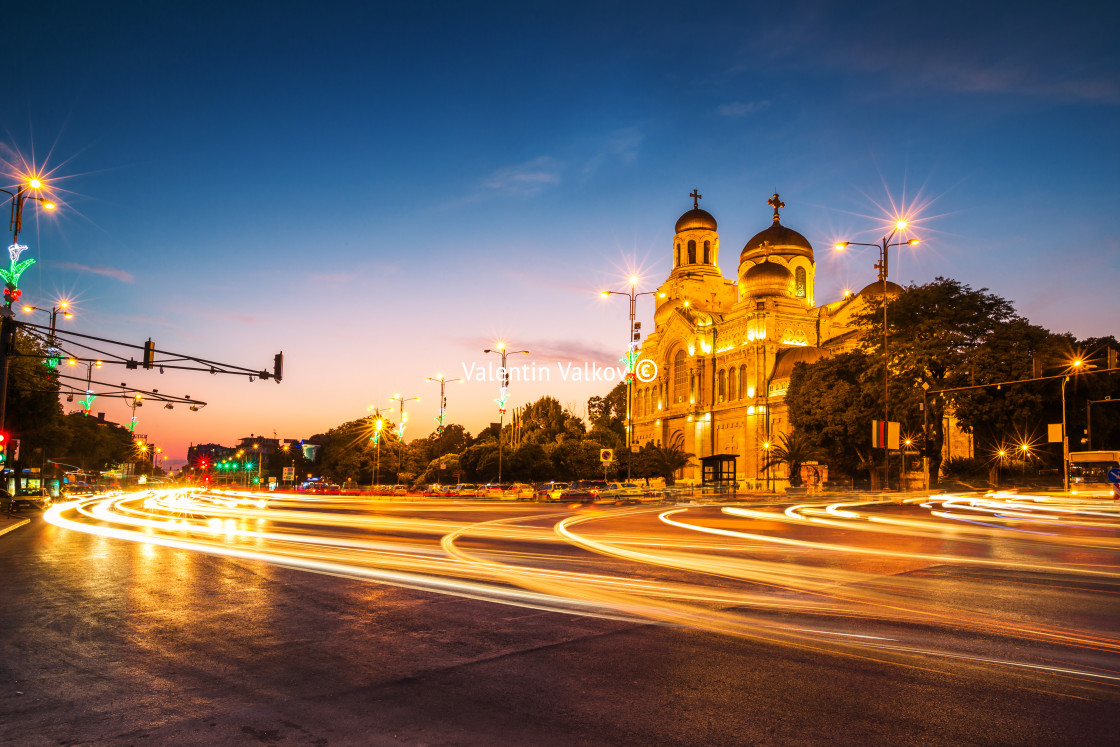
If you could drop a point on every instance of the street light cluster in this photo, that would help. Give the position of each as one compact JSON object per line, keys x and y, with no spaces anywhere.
{"x":884,"y":246}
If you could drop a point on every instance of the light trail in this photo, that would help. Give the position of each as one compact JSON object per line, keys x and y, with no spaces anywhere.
{"x":866,"y":579}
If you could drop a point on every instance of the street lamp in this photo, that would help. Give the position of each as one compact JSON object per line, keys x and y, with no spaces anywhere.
{"x":12,"y":275}
{"x":378,"y":425}
{"x":884,"y":247}
{"x":502,"y":395}
{"x":631,"y":357}
{"x":400,"y":429}
{"x":442,"y":404}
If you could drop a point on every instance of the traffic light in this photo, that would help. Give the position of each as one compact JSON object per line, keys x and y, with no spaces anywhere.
{"x":278,"y":366}
{"x":149,"y":353}
{"x":3,"y":447}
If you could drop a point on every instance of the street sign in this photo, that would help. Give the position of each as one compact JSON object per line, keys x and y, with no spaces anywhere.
{"x":1114,"y":475}
{"x":289,"y":473}
{"x":606,"y":455}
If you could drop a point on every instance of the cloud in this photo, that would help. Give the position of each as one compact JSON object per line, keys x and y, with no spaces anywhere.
{"x":121,"y":275}
{"x":528,"y":178}
{"x":551,"y":351}
{"x":741,"y":108}
{"x":568,"y":351}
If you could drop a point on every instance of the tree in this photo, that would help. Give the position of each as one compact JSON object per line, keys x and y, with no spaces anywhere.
{"x":664,"y":461}
{"x":793,"y":449}
{"x":546,"y":421}
{"x":932,"y":331}
{"x":834,"y":401}
{"x":608,"y":414}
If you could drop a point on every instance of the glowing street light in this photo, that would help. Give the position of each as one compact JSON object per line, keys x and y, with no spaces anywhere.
{"x":442,"y":405}
{"x":400,"y":429}
{"x":16,"y":268}
{"x":884,"y":246}
{"x":631,"y":358}
{"x":500,"y":349}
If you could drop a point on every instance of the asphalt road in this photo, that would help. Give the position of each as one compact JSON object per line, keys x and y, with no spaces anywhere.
{"x":112,"y":641}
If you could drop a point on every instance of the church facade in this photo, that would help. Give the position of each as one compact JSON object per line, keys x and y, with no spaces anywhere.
{"x":725,"y":349}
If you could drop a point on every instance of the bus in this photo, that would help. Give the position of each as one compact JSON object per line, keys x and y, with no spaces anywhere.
{"x":1089,"y":469}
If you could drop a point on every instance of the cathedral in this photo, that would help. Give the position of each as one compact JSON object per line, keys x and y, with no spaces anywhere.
{"x":725,"y":349}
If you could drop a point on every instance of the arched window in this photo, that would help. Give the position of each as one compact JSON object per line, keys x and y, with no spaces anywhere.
{"x":732,"y":381}
{"x":743,"y":380}
{"x":691,"y":252}
{"x":722,"y":385}
{"x":680,"y":378}
{"x":638,"y":403}
{"x":649,"y":401}
{"x":800,"y":282}
{"x":707,"y":252}
{"x":678,"y":256}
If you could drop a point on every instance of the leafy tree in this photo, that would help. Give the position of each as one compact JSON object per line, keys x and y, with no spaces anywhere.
{"x":834,"y":400}
{"x":793,"y":449}
{"x":932,"y":332}
{"x":664,"y":461}
{"x":547,"y":421}
{"x":609,"y":413}
{"x":479,"y":463}
{"x":94,"y":445}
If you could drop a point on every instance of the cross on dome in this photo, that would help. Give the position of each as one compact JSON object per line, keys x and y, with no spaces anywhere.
{"x":696,"y":197}
{"x":775,"y":203}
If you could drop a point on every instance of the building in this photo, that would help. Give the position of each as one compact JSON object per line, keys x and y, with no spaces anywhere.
{"x":725,"y":349}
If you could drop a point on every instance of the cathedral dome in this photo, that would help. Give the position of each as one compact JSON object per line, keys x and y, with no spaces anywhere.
{"x":767,"y":279}
{"x":696,"y":218}
{"x":875,"y":290}
{"x":779,"y":240}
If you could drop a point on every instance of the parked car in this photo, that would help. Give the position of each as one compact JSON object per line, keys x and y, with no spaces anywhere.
{"x":583,"y":491}
{"x":31,"y":498}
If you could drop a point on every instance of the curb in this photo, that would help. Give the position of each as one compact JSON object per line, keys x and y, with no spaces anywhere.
{"x":5,"y":530}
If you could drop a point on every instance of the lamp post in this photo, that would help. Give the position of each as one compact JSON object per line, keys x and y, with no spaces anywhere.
{"x":501,"y":350}
{"x":442,"y":405}
{"x":884,"y":247}
{"x":631,"y":357}
{"x":378,"y":425}
{"x":62,"y":308}
{"x":11,"y":276}
{"x":400,"y":429}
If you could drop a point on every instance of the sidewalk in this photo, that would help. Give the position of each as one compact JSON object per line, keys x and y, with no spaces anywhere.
{"x":7,"y":525}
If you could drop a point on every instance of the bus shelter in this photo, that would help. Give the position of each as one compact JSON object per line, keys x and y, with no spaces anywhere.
{"x":718,"y":471}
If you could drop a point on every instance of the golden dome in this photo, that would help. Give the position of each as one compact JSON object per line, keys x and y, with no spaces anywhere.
{"x":768,"y":279}
{"x":875,"y":290}
{"x":696,"y":218}
{"x":777,"y":239}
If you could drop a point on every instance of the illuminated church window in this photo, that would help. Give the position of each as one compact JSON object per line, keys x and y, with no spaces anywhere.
{"x":800,"y":282}
{"x":692,"y":252}
{"x":680,"y":377}
{"x":707,"y":252}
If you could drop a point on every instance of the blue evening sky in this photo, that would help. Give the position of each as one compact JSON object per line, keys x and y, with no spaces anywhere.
{"x":382,"y":190}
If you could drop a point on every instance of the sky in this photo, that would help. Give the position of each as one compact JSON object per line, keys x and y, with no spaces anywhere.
{"x":382,"y":191}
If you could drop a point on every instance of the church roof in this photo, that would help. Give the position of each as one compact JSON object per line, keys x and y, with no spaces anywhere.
{"x":875,"y":290}
{"x":783,"y":366}
{"x":767,"y":279}
{"x":777,"y":239}
{"x":696,"y":218}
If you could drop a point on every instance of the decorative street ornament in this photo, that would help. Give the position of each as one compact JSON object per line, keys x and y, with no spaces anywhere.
{"x":630,"y":360}
{"x":132,"y":424}
{"x":87,"y":403}
{"x":501,"y":400}
{"x":15,"y":269}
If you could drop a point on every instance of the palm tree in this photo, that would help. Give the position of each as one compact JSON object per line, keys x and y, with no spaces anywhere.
{"x":793,"y":449}
{"x":665,"y":461}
